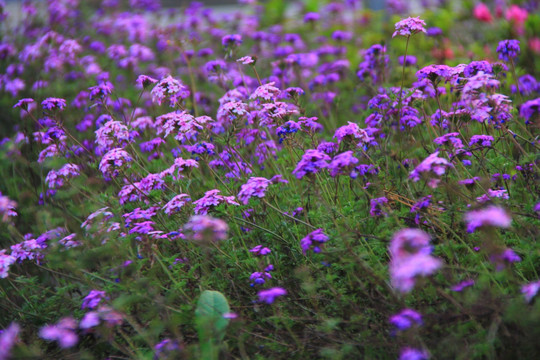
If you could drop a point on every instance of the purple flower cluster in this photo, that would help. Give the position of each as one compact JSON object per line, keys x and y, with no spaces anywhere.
{"x":433,"y":167}
{"x":410,"y":257}
{"x":312,"y":162}
{"x":206,"y":228}
{"x":409,"y":26}
{"x":114,"y":161}
{"x":508,"y":49}
{"x":176,"y":203}
{"x":313,"y":241}
{"x":491,"y":216}
{"x":57,"y":179}
{"x":212,"y":198}
{"x":170,"y":89}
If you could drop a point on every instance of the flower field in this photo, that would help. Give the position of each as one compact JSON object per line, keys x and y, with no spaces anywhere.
{"x":289,"y":180}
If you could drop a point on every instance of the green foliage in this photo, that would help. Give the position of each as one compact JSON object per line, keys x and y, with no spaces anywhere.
{"x":211,"y":322}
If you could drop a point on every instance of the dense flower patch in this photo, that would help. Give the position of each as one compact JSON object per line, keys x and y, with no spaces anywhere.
{"x":330,"y":182}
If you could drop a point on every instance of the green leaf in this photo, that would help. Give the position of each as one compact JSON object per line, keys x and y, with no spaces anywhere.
{"x":210,"y":323}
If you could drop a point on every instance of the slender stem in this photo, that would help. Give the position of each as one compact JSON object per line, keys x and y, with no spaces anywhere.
{"x":403,"y":78}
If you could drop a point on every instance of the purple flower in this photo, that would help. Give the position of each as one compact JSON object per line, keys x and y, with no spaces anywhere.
{"x":259,"y":277}
{"x":376,"y":206}
{"x":246,"y":60}
{"x":483,"y":140}
{"x":203,"y":227}
{"x":312,"y":162}
{"x":53,"y":103}
{"x":351,"y":132}
{"x":211,"y":199}
{"x":92,"y":299}
{"x":490,"y":216}
{"x":231,"y":40}
{"x":63,"y":332}
{"x":433,"y":72}
{"x":462,"y":285}
{"x":501,"y":260}
{"x":409,"y":61}
{"x":530,"y":290}
{"x":57,"y":179}
{"x":267,"y":92}
{"x":476,"y":66}
{"x":164,"y":348}
{"x":410,"y":26}
{"x":8,"y":338}
{"x":89,"y":320}
{"x":405,"y":319}
{"x":176,"y":203}
{"x":113,"y":161}
{"x":311,"y":17}
{"x":451,"y":138}
{"x":410,"y":257}
{"x":508,"y":49}
{"x":529,"y":108}
{"x":7,"y":208}
{"x":413,"y":354}
{"x":255,"y":187}
{"x":143,"y":81}
{"x":343,"y":164}
{"x":313,"y":240}
{"x":270,"y":295}
{"x":5,"y":262}
{"x":260,"y":250}
{"x":434,"y":31}
{"x":169,"y":89}
{"x":433,"y":167}
{"x":23,"y":103}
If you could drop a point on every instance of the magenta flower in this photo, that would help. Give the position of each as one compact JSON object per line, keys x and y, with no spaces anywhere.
{"x":313,"y":240}
{"x":260,"y":250}
{"x":352,"y":132}
{"x":405,"y":319}
{"x":312,"y":162}
{"x":508,"y":49}
{"x":410,"y":26}
{"x":7,"y":208}
{"x":57,"y":179}
{"x":176,"y":203}
{"x":491,"y":216}
{"x":246,"y":60}
{"x":112,"y":133}
{"x":432,"y":167}
{"x":23,"y":103}
{"x":255,"y":187}
{"x":203,"y":227}
{"x":8,"y":338}
{"x":231,"y":40}
{"x":5,"y":262}
{"x":376,"y":206}
{"x":93,"y":299}
{"x":211,"y":199}
{"x":143,"y":81}
{"x":113,"y":161}
{"x":89,"y":320}
{"x":266,"y":92}
{"x":53,"y":103}
{"x":413,"y":354}
{"x":342,"y":164}
{"x":530,"y":290}
{"x":169,"y":89}
{"x":462,"y":285}
{"x":270,"y":295}
{"x":63,"y":332}
{"x":410,"y":257}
